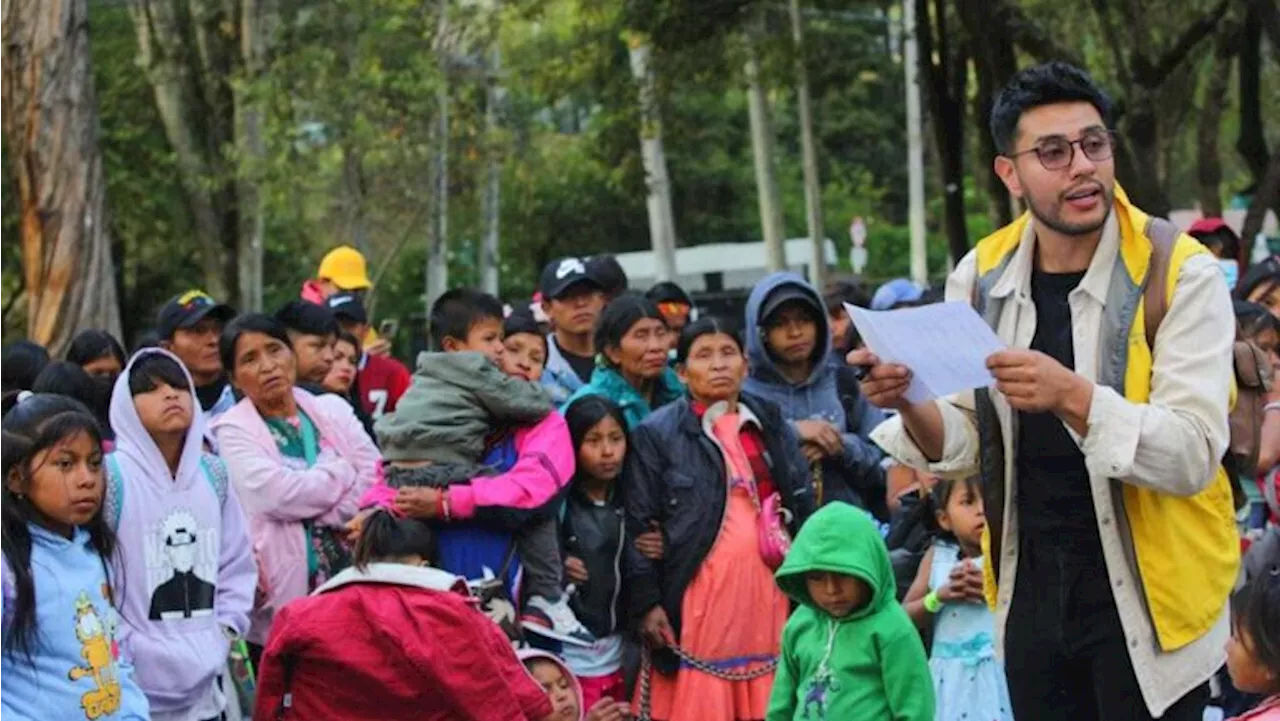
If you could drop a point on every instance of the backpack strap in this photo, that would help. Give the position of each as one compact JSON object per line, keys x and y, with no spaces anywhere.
{"x":215,"y":471}
{"x":1155,"y":296}
{"x":113,"y":500}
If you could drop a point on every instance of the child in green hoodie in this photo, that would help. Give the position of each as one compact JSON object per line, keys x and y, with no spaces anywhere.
{"x":849,"y":651}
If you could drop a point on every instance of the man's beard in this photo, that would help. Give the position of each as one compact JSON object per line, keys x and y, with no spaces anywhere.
{"x":1053,"y":220}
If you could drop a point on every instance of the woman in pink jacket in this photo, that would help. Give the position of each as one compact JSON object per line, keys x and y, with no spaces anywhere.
{"x":299,"y":464}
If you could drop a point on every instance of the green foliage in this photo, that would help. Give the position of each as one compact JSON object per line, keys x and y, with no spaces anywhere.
{"x":350,"y":104}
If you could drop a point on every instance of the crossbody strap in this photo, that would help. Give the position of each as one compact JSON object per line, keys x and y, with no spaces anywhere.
{"x":1155,"y":296}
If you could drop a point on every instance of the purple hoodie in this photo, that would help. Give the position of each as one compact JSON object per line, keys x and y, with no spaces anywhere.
{"x":184,"y":562}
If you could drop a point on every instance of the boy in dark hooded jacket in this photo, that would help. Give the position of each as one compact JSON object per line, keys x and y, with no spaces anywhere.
{"x":849,"y":651}
{"x":789,"y":348}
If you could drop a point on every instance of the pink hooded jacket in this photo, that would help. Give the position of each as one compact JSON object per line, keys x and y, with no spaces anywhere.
{"x":545,"y":464}
{"x":529,"y":655}
{"x":1268,"y":710}
{"x":278,"y":499}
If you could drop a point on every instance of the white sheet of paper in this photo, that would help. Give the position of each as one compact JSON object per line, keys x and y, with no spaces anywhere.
{"x":944,"y":344}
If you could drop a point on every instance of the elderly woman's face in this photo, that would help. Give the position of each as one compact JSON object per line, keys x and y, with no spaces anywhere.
{"x":715,"y":368}
{"x":265,"y":368}
{"x":643,"y":350}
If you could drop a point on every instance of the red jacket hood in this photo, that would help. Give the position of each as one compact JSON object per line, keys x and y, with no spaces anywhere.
{"x":393,"y":643}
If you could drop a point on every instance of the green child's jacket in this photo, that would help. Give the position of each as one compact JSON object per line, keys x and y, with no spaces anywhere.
{"x":869,"y":665}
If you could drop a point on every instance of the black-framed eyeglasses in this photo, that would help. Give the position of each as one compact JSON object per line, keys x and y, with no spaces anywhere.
{"x":1056,"y":153}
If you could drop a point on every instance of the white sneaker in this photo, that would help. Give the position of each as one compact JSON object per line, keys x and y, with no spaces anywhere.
{"x":554,"y":619}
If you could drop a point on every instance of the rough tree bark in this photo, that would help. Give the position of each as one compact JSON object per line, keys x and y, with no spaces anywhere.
{"x":946,"y":82}
{"x":51,"y":132}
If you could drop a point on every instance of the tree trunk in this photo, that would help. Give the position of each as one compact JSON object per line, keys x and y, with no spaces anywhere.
{"x":1252,"y":142}
{"x":1266,"y":197}
{"x":181,"y":49}
{"x":51,"y":132}
{"x":662,"y":224}
{"x":993,"y":67}
{"x":1138,"y":154}
{"x":257,"y":25}
{"x":1208,"y":162}
{"x":353,"y":195}
{"x":946,"y":80}
{"x":437,"y":278}
{"x":912,"y":69}
{"x":762,"y":149}
{"x":489,"y":276}
{"x":812,"y":181}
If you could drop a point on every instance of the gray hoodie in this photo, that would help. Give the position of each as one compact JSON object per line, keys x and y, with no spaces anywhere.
{"x":829,"y":393}
{"x":455,"y":402}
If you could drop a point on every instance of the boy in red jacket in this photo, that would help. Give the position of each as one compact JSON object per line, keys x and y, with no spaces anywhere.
{"x":392,"y":640}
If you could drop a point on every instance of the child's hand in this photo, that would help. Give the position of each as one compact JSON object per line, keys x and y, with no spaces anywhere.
{"x":822,"y":435}
{"x":423,"y":503}
{"x":965,"y":584}
{"x":606,"y":709}
{"x":656,"y":628}
{"x":812,"y":453}
{"x":575,"y":570}
{"x":356,"y":525}
{"x":649,"y":543}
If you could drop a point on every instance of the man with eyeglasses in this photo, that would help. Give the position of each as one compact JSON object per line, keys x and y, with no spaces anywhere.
{"x":1110,"y":542}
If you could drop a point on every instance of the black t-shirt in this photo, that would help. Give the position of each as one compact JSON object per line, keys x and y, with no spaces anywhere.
{"x":1055,"y":503}
{"x":583,"y":365}
{"x":210,"y":394}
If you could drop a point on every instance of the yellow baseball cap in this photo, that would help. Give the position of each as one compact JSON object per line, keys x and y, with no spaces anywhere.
{"x":346,"y":268}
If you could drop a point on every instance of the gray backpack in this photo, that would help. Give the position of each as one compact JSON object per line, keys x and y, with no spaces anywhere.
{"x":215,"y":472}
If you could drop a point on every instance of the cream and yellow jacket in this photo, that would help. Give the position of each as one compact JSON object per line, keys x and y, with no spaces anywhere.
{"x":1157,"y":431}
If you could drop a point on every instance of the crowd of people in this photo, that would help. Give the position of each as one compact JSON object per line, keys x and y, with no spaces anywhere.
{"x":608,"y":506}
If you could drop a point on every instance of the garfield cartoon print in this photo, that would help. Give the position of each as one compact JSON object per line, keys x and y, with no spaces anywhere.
{"x":98,"y":649}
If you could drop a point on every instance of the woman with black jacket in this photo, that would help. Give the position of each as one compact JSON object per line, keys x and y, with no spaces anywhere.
{"x":705,"y":469}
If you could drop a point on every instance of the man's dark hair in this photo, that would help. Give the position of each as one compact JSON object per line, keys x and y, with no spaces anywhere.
{"x":455,"y":312}
{"x":1046,"y":84}
{"x":306,"y":318}
{"x":836,"y":294}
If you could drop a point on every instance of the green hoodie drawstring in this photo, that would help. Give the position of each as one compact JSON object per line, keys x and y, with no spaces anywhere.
{"x":823,"y":674}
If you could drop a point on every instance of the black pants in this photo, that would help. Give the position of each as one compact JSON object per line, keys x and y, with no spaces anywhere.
{"x":1065,"y":653}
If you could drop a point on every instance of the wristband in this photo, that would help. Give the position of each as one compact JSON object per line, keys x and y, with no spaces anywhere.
{"x":932,"y":603}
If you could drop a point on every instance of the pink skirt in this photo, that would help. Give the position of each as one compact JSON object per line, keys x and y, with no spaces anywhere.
{"x":733,"y":615}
